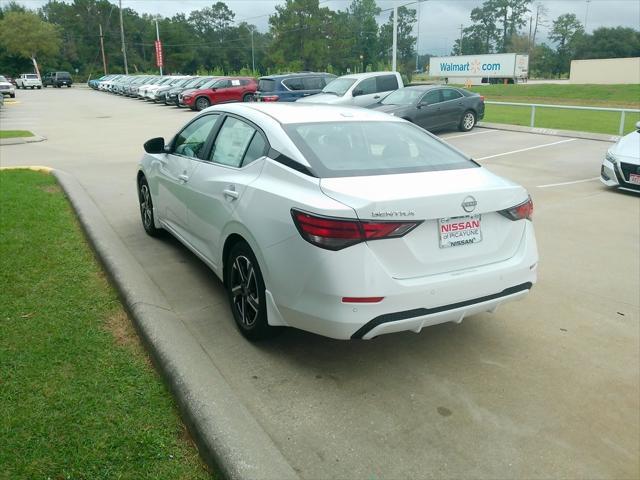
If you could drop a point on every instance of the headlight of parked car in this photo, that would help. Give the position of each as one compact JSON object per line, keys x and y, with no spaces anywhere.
{"x":611,"y":158}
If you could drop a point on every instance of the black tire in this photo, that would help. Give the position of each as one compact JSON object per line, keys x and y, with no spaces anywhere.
{"x":12,"y":95}
{"x":201,"y":103}
{"x":467,"y":121}
{"x":146,"y":209}
{"x":246,"y":293}
{"x":248,"y":97}
{"x":39,"y":88}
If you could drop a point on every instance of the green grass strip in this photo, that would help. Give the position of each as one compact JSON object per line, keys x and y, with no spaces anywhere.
{"x":78,"y":396}
{"x":15,"y":133}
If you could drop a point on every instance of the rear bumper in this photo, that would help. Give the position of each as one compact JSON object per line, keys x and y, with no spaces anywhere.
{"x":315,"y":304}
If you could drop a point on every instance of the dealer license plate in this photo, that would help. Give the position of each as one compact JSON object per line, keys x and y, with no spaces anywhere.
{"x":634,"y":178}
{"x":458,"y":231}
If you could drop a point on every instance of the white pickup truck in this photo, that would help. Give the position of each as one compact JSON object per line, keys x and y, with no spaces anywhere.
{"x":28,"y":80}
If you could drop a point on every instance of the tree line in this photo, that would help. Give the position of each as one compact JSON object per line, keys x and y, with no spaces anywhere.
{"x":302,"y":35}
{"x":499,"y":26}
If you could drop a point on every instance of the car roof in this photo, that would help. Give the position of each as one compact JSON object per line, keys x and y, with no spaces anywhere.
{"x":293,"y":75}
{"x":358,"y":76}
{"x":430,"y":87}
{"x":292,"y":112}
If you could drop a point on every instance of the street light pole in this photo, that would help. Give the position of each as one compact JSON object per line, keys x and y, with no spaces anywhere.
{"x":418,"y":38}
{"x":104,"y":60}
{"x":253,"y":56}
{"x":124,"y":48}
{"x":394,"y":61}
{"x":158,"y":40}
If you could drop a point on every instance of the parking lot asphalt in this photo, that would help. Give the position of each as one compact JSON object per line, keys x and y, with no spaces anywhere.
{"x":545,"y":387}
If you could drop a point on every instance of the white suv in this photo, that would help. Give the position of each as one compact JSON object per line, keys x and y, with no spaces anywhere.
{"x":29,"y":80}
{"x":362,"y":89}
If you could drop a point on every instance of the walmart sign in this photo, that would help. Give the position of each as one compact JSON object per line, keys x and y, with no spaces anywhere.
{"x":507,"y":65}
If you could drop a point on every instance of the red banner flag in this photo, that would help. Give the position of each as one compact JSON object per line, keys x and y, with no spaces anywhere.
{"x":159,"y":62}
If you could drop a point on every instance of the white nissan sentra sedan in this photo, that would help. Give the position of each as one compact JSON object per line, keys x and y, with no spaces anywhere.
{"x":621,"y":166}
{"x":345,"y":222}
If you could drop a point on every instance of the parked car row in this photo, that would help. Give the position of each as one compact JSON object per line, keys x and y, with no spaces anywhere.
{"x":432,"y":107}
{"x":195,"y":92}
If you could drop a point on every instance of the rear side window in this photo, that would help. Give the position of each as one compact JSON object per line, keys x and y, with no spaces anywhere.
{"x":232,"y":142}
{"x":431,"y":97}
{"x":347,"y":149}
{"x":266,"y":85}
{"x":386,"y":83}
{"x":313,"y":83}
{"x":191,"y":141}
{"x":257,"y":148}
{"x":294,"y":83}
{"x":450,"y":94}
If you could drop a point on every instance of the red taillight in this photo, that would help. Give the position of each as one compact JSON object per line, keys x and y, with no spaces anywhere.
{"x":519,"y":212}
{"x":338,"y":233}
{"x":269,"y":98}
{"x":362,"y":299}
{"x":482,"y":98}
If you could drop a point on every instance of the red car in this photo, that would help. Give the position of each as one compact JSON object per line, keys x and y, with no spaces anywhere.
{"x":225,"y":90}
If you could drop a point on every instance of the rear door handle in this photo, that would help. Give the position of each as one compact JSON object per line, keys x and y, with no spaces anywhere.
{"x":232,"y":194}
{"x":183,"y":177}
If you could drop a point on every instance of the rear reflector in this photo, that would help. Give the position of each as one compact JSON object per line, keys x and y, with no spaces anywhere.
{"x":269,"y":98}
{"x":522,"y":211}
{"x":337,"y":233}
{"x":362,"y":299}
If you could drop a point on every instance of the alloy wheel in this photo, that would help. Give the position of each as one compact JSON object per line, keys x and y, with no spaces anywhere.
{"x":146,"y":207}
{"x":468,"y":121}
{"x":244,"y":290}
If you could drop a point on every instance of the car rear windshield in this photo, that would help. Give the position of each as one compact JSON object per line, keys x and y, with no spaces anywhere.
{"x":356,"y":148}
{"x":266,"y":85}
{"x":3,"y":79}
{"x":31,"y":76}
{"x":63,"y":75}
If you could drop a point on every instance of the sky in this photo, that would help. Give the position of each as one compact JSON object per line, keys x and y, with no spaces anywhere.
{"x":440,"y":20}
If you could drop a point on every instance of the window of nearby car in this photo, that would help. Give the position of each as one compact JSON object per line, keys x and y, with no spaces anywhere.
{"x":233,"y":145}
{"x":339,"y":86}
{"x":3,"y":79}
{"x":266,"y":85}
{"x":294,"y":83}
{"x":63,"y":75}
{"x":345,"y":149}
{"x":313,"y":83}
{"x":386,"y":83}
{"x":31,"y":76}
{"x":450,"y":94}
{"x":191,"y":141}
{"x":403,"y":96}
{"x":223,"y":83}
{"x":431,"y":97}
{"x":365,"y":87}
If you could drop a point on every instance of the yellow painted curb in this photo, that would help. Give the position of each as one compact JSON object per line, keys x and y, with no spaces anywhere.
{"x":35,"y":168}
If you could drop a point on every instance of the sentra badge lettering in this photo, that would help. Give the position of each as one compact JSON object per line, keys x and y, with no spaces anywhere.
{"x":393,"y":213}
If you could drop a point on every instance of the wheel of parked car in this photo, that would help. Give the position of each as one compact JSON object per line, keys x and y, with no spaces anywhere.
{"x":202,"y":103}
{"x":146,"y":209}
{"x":248,"y":97}
{"x":12,"y":95}
{"x":246,"y":291}
{"x":467,"y":121}
{"x":39,"y":88}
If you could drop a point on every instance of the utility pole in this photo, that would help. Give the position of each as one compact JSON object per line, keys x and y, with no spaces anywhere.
{"x":158,"y":40}
{"x":124,"y":48}
{"x":394,"y":61}
{"x":586,"y":16}
{"x":104,"y":60}
{"x":253,"y":56}
{"x":418,"y":38}
{"x":461,"y":31}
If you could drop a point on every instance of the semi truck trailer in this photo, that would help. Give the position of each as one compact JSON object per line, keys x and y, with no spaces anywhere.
{"x":479,"y":69}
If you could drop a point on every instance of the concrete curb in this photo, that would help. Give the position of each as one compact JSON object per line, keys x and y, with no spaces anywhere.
{"x":21,"y":140}
{"x":602,"y":137}
{"x":228,"y":436}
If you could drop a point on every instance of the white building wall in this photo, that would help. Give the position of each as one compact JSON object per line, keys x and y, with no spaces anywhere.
{"x":605,"y":71}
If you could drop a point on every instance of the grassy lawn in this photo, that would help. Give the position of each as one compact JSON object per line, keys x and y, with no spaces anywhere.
{"x":579,"y":120}
{"x":15,"y":133}
{"x":617,"y":96}
{"x":79,"y":398}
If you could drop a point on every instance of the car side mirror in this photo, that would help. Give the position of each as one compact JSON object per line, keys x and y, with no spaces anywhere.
{"x":155,"y":145}
{"x":358,"y":92}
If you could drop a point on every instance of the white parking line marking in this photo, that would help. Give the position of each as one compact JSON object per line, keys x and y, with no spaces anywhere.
{"x":470,"y":134}
{"x":567,"y":183}
{"x":527,"y":149}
